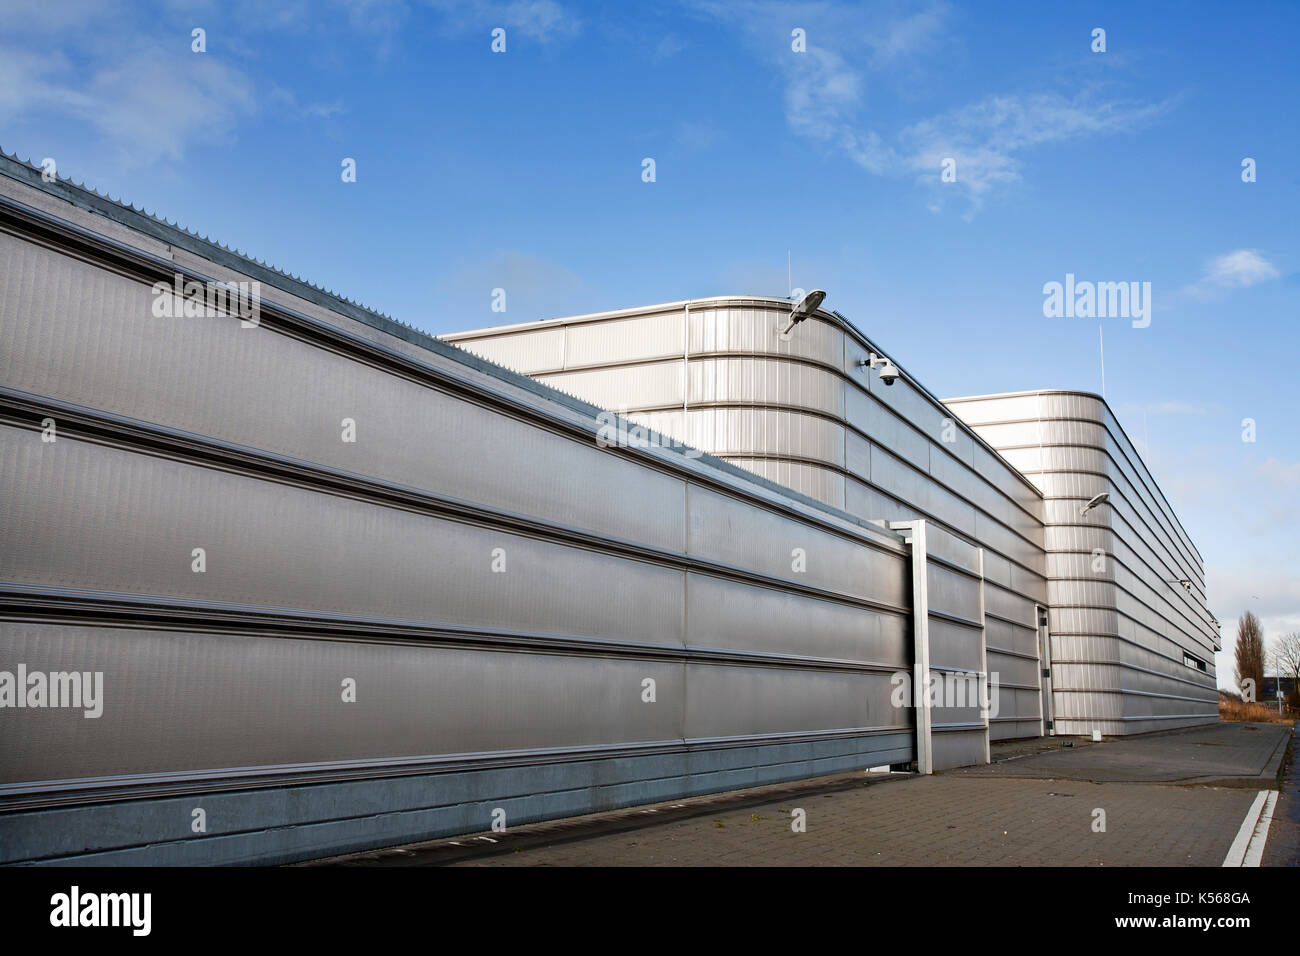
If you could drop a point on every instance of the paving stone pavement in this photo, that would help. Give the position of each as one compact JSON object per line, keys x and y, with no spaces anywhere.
{"x":1035,"y":809}
{"x":940,"y":821}
{"x":1226,"y":754}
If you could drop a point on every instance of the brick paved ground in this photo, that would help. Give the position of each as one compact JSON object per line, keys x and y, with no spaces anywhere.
{"x":1025,"y":811}
{"x":941,"y":821}
{"x":1283,"y":847}
{"x":1226,"y":754}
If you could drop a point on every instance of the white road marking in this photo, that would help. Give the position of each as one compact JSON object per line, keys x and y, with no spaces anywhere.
{"x":1255,"y":852}
{"x":1237,"y":852}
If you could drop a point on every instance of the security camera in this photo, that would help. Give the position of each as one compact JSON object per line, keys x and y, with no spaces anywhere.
{"x":889,"y":373}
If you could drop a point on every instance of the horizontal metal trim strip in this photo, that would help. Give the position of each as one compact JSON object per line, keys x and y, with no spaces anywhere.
{"x":1033,"y":719}
{"x":1126,"y":692}
{"x":1093,"y":662}
{"x":956,"y":619}
{"x":36,"y":604}
{"x":1008,"y":589}
{"x":1207,"y":717}
{"x":1006,"y":620}
{"x":37,"y":794}
{"x":1014,"y":686}
{"x":953,"y":566}
{"x":264,"y":466}
{"x":962,"y":727}
{"x":1007,"y":652}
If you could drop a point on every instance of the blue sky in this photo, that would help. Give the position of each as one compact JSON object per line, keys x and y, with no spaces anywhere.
{"x":523,"y":170}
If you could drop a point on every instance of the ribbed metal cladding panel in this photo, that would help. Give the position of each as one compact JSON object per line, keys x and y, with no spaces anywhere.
{"x":815,"y":481}
{"x":875,"y":421}
{"x":625,"y":387}
{"x":177,"y":702}
{"x":755,"y":330}
{"x":732,"y":614}
{"x":751,"y":432}
{"x":635,"y":338}
{"x":530,"y":352}
{"x":757,"y":381}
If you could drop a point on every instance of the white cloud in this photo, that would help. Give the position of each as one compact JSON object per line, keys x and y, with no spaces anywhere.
{"x":289,"y":100}
{"x":985,"y":138}
{"x":1238,"y":269}
{"x":21,"y":15}
{"x":541,"y":20}
{"x":1244,"y":267}
{"x":1286,"y":474}
{"x":145,"y":102}
{"x":827,"y":96}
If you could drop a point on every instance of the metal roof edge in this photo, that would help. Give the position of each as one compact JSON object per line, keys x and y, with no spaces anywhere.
{"x":174,"y":234}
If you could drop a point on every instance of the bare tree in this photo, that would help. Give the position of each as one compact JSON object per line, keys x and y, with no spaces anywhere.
{"x":1284,"y":658}
{"x":1250,"y":652}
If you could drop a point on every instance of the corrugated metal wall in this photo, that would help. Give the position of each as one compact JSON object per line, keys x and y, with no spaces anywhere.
{"x":1120,"y":621}
{"x":798,"y":410}
{"x":496,"y":586}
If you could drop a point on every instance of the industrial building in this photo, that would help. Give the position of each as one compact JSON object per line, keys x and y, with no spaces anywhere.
{"x":1121,"y":585}
{"x":310,"y":581}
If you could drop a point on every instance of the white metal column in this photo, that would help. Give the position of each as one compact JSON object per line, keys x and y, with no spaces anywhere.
{"x":914,"y":534}
{"x":986,"y":695}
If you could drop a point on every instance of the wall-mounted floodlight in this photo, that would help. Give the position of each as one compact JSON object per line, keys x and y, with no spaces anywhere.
{"x":1187,"y":585}
{"x":1093,"y":502}
{"x":805,"y":307}
{"x":889,"y":373}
